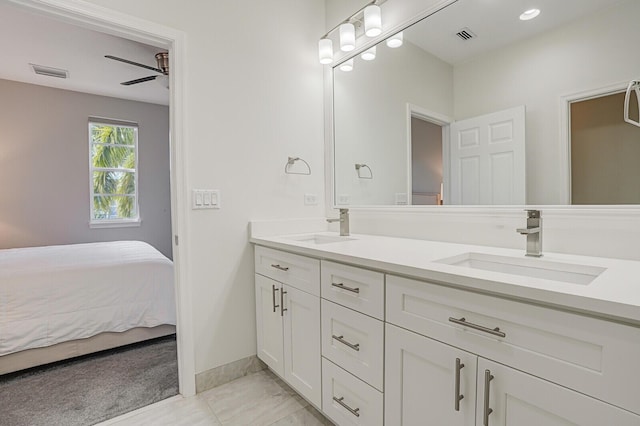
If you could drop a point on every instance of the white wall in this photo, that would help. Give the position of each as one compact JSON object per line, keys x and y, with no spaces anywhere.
{"x":44,"y":167}
{"x":370,"y":105}
{"x":584,"y":55}
{"x":253,"y":97}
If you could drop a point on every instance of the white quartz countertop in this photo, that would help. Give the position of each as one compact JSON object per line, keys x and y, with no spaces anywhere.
{"x":614,"y":294}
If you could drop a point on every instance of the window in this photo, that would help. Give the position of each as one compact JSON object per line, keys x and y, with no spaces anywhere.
{"x":113,"y":164}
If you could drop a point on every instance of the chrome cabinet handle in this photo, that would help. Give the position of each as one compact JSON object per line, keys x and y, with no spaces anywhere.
{"x":354,"y":411}
{"x":494,"y":331}
{"x":344,"y":287}
{"x":282,"y":308}
{"x":355,"y":347}
{"x":282,"y":268}
{"x":273,"y":297}
{"x":459,"y":366}
{"x":487,"y":389}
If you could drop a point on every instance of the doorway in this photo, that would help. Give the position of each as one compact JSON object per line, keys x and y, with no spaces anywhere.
{"x":120,"y":25}
{"x":604,"y":152}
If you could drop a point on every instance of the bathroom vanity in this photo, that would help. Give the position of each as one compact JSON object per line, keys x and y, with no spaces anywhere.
{"x":378,"y":330}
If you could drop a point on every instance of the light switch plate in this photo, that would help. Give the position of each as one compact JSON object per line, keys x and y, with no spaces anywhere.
{"x":344,"y":199}
{"x":310,"y":200}
{"x":205,"y":199}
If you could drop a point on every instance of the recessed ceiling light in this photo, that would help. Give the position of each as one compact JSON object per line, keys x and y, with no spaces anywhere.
{"x":529,"y":14}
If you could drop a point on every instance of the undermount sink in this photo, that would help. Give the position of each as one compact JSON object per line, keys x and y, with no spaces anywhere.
{"x":321,"y":239}
{"x":527,"y":267}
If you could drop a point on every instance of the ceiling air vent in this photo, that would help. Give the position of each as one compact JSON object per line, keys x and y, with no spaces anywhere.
{"x":50,"y":72}
{"x":465,"y":34}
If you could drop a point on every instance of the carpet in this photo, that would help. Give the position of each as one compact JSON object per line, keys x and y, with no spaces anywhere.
{"x":90,"y":389}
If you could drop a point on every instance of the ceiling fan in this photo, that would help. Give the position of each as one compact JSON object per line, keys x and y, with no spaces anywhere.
{"x":163,"y":68}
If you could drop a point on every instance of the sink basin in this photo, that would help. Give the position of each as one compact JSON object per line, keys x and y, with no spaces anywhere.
{"x":321,"y":239}
{"x":527,"y":267}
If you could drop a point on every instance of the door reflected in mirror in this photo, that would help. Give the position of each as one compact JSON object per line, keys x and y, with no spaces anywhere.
{"x":456,"y":73}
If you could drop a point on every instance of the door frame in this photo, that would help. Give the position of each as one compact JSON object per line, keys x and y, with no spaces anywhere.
{"x":436,"y":118}
{"x":101,"y":19}
{"x":565,"y":128}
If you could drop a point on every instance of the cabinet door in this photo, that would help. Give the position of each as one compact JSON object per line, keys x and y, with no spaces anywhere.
{"x":302,"y":363}
{"x":519,"y":399}
{"x":421,"y":381}
{"x":269,"y":323}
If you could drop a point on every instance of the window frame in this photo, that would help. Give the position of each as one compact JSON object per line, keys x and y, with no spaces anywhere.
{"x":121,"y":222}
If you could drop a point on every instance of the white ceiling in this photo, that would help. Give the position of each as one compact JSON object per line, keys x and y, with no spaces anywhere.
{"x":29,"y":38}
{"x":496,"y":24}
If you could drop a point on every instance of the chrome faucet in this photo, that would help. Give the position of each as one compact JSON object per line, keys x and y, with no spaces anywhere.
{"x":344,"y":222}
{"x":533,"y":231}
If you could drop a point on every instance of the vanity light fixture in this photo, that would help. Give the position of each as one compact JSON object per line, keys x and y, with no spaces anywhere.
{"x":372,"y":20}
{"x":395,"y":40}
{"x":529,"y":14}
{"x":325,"y":51}
{"x":347,"y":37}
{"x":369,"y":54}
{"x":369,"y":17}
{"x":347,"y":66}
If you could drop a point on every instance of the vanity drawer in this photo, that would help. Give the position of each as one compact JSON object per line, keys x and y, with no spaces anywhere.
{"x":355,"y":288}
{"x":353,"y":341}
{"x":297,"y":271}
{"x":594,"y":356}
{"x":347,"y":400}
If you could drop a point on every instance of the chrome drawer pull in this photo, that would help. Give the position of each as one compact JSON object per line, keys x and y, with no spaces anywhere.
{"x":487,"y":389}
{"x":344,"y":287}
{"x":354,"y":411}
{"x":459,"y":366}
{"x":273,"y":297}
{"x":340,"y":339}
{"x":494,"y":331}
{"x":282,"y":268}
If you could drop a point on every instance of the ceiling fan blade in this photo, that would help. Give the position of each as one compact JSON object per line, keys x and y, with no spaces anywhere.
{"x":126,"y":61}
{"x":140,"y":80}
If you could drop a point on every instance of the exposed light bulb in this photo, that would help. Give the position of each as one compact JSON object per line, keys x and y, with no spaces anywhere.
{"x":529,"y":14}
{"x":369,"y":54}
{"x":325,"y":51}
{"x":395,"y":40}
{"x":347,"y":37}
{"x":347,"y":66}
{"x":372,"y":20}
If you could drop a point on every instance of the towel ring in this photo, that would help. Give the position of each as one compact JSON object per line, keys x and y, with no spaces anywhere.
{"x":291,"y":161}
{"x":364,"y":166}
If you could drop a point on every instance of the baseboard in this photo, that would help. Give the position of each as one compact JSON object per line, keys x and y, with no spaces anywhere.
{"x":226,"y":373}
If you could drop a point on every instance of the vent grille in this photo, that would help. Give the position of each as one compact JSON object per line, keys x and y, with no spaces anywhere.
{"x":466,"y":34}
{"x":50,"y":72}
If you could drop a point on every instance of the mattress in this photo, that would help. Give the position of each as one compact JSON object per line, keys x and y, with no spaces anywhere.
{"x":54,"y":294}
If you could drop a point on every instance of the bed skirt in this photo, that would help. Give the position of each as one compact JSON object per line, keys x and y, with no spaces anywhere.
{"x":38,"y":356}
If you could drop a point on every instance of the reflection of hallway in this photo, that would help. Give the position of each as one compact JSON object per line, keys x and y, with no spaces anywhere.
{"x":258,"y":399}
{"x":92,"y":388}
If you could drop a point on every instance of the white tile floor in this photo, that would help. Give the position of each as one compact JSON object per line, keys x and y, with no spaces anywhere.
{"x":258,"y":399}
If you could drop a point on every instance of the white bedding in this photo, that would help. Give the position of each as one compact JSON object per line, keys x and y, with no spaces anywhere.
{"x":54,"y":294}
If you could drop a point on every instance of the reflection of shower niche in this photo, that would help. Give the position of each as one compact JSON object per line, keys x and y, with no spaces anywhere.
{"x":605,"y":152}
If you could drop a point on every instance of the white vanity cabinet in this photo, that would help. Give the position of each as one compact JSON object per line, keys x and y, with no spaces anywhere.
{"x":288,"y":319}
{"x":373,"y":348}
{"x":575,"y":352}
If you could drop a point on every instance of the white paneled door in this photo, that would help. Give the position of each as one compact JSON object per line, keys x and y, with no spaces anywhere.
{"x":427,"y":382}
{"x":269,"y":323}
{"x":487,"y":159}
{"x":302,"y":343}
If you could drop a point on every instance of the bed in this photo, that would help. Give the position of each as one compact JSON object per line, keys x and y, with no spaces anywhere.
{"x":58,"y":302}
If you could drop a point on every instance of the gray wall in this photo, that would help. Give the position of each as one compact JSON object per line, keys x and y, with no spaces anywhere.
{"x":44,"y":170}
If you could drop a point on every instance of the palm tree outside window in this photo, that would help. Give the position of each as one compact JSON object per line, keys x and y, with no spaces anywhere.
{"x":113,"y":164}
